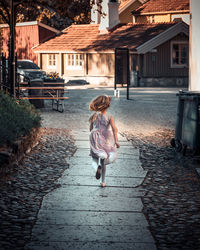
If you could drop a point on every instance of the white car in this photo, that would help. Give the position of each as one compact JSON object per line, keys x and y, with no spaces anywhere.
{"x":28,"y":70}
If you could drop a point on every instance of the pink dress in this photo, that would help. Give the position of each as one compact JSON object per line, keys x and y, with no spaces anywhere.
{"x":102,"y":141}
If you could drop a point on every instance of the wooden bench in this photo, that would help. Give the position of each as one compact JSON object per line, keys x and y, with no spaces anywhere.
{"x":50,"y":92}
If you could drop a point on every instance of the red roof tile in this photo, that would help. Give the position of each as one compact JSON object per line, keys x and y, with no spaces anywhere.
{"x":87,"y":37}
{"x":162,"y":6}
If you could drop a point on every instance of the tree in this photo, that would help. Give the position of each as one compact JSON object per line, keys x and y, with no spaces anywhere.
{"x":58,"y":14}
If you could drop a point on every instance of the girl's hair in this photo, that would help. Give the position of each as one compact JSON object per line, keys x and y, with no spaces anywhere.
{"x":100,"y":103}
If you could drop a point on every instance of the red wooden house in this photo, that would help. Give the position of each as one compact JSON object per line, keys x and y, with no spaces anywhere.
{"x":28,"y":35}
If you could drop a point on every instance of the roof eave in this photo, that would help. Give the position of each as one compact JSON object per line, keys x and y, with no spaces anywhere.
{"x":126,"y":6}
{"x":73,"y":51}
{"x":163,"y":37}
{"x":160,"y":12}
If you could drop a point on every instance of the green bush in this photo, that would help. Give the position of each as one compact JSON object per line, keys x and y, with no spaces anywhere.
{"x":17,"y":118}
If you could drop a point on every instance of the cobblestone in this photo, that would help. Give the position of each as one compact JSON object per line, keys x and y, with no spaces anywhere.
{"x":172,"y":187}
{"x":22,"y":189}
{"x":172,"y":199}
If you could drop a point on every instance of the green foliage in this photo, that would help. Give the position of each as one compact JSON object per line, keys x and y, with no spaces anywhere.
{"x":56,"y":13}
{"x":17,"y":118}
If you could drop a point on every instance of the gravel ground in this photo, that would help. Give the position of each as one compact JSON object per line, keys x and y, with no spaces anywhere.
{"x":172,"y":199}
{"x":22,"y":189}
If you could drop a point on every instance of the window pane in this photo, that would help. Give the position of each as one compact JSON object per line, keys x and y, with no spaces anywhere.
{"x":69,"y":59}
{"x":81,"y":60}
{"x":50,"y":59}
{"x":74,"y":60}
{"x":175,"y":54}
{"x":175,"y":47}
{"x":183,"y":55}
{"x":180,"y":54}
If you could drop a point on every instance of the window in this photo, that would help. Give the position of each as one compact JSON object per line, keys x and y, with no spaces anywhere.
{"x":151,"y":19}
{"x":74,"y":61}
{"x":179,"y":54}
{"x":51,"y":61}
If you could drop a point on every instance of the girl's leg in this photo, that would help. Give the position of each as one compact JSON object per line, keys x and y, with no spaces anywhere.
{"x":103,"y":170}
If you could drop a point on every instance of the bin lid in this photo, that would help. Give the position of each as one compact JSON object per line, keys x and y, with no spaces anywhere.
{"x":189,"y":93}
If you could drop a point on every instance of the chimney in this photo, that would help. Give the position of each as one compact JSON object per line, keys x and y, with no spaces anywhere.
{"x":95,"y":15}
{"x":111,"y":17}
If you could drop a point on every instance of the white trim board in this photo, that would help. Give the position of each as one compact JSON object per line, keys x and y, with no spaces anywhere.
{"x":126,"y":6}
{"x":33,"y":23}
{"x":163,"y":37}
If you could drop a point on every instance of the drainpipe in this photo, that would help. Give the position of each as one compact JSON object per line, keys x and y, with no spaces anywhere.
{"x":194,"y":48}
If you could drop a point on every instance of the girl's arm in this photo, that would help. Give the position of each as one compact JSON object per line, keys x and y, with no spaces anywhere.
{"x":91,"y":126}
{"x":114,"y":129}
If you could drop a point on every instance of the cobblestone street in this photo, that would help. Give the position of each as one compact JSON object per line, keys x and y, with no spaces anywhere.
{"x":167,"y":195}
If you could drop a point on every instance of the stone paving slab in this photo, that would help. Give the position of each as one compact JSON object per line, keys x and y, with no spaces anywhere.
{"x":91,"y":246}
{"x":94,"y":191}
{"x":84,"y":136}
{"x":84,"y":162}
{"x":86,"y":144}
{"x":118,"y":169}
{"x":122,"y":153}
{"x":89,"y":218}
{"x":113,"y":172}
{"x":110,"y":181}
{"x":112,"y":233}
{"x":93,"y":203}
{"x":82,"y":215}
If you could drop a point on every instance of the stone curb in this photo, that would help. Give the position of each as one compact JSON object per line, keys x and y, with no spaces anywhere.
{"x":14,"y":154}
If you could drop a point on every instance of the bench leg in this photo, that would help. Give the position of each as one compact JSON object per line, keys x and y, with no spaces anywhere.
{"x":58,"y":104}
{"x":61,"y":103}
{"x":63,"y":106}
{"x":53,"y":103}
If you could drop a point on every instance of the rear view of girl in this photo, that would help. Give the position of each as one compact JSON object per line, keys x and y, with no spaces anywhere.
{"x":103,"y":135}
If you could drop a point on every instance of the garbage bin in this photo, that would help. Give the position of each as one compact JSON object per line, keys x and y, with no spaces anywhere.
{"x":36,"y":92}
{"x":188,"y":121}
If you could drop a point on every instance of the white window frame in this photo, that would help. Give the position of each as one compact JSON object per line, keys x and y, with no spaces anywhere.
{"x":50,"y":66}
{"x":74,"y":61}
{"x":171,"y":55}
{"x":151,"y":19}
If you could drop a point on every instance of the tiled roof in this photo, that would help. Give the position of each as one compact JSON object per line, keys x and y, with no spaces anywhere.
{"x":87,"y":37}
{"x":162,"y":6}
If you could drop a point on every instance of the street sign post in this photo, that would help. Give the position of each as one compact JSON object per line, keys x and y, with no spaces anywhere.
{"x":122,"y":73}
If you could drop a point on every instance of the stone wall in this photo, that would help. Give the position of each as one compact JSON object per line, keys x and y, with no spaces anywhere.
{"x":164,"y":82}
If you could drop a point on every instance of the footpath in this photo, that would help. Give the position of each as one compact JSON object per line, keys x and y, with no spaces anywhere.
{"x":82,"y":215}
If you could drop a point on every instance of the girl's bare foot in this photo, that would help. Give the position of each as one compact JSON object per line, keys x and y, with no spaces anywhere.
{"x":103,"y":184}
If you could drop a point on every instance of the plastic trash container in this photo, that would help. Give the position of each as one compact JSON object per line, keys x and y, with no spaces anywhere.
{"x":38,"y":103}
{"x":187,"y":133}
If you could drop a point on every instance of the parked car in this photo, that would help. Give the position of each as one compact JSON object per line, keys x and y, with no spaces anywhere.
{"x":27,"y":69}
